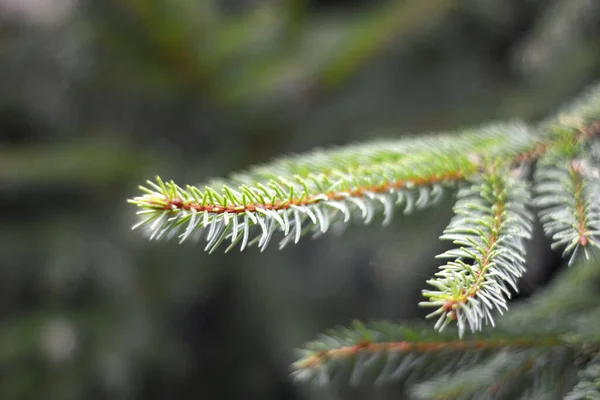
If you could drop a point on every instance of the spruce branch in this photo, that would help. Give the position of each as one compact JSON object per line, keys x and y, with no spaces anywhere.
{"x":504,"y":375}
{"x":309,"y":193}
{"x":382,"y":352}
{"x":588,"y":385}
{"x":490,"y":225}
{"x":579,"y":119}
{"x":567,"y":194}
{"x":544,"y":337}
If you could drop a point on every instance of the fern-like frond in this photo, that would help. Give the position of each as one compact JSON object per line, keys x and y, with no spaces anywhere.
{"x":568,"y":193}
{"x":588,"y":385}
{"x":383,"y":352}
{"x":490,"y":225}
{"x":309,"y":193}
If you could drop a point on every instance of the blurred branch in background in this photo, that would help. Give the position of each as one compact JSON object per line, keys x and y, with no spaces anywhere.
{"x":263,"y":52}
{"x":80,"y":164}
{"x":561,"y":33}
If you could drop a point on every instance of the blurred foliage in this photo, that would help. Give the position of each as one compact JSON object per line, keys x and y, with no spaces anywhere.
{"x":97,"y":95}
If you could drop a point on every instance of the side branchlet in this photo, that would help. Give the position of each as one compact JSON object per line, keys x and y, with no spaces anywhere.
{"x":490,"y":226}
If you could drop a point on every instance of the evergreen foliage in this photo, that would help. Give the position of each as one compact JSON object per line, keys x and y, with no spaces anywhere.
{"x":309,"y":193}
{"x":490,"y":224}
{"x":546,"y":348}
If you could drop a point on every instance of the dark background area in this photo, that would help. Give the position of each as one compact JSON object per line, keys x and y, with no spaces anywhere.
{"x":98,"y":96}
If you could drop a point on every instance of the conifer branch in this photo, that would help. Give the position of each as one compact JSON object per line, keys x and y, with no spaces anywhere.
{"x":364,"y":346}
{"x":490,"y":225}
{"x":308,"y":193}
{"x":504,"y":375}
{"x":588,"y":386}
{"x":567,"y":194}
{"x":383,"y":352}
{"x":542,"y":338}
{"x":580,"y":119}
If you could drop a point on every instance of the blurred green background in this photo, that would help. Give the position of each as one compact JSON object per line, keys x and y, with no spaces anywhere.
{"x":97,"y":96}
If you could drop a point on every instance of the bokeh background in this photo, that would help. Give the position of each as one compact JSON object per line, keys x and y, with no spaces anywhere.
{"x":98,"y":96}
